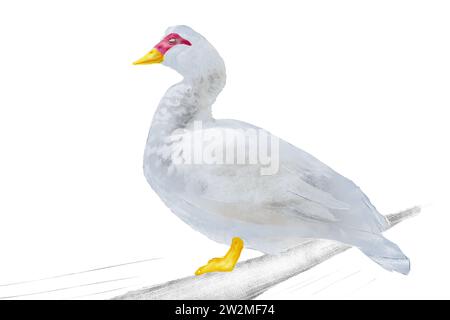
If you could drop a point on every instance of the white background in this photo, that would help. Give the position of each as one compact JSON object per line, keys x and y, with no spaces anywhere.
{"x":362,"y":85}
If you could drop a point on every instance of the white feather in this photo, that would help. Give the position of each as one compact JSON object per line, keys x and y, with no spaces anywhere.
{"x":271,"y":213}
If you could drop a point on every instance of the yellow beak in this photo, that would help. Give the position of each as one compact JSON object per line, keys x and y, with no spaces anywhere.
{"x":153,"y":56}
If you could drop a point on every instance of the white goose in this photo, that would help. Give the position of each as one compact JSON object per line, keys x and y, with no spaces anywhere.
{"x":237,"y":202}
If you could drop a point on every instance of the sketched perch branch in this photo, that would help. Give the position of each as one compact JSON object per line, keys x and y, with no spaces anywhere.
{"x":252,"y":277}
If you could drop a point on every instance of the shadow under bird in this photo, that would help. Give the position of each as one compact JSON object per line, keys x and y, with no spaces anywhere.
{"x":234,"y":202}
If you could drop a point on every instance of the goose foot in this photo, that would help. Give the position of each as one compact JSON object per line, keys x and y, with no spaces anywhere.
{"x":225,"y":263}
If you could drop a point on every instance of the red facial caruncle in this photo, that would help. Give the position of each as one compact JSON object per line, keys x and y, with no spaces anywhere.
{"x":156,"y":55}
{"x":170,"y":41}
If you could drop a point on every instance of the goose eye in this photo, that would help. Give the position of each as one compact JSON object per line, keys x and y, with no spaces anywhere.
{"x":172,"y":41}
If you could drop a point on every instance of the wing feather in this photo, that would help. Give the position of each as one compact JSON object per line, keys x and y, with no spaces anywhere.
{"x":303,"y":186}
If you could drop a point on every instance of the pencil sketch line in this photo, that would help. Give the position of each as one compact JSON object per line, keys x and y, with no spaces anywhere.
{"x":97,"y":293}
{"x":364,"y":285}
{"x":79,"y":272}
{"x":65,"y":288}
{"x":337,"y":281}
{"x":313,"y":281}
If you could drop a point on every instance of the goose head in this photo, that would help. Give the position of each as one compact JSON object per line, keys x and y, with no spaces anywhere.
{"x":185,"y":51}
